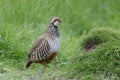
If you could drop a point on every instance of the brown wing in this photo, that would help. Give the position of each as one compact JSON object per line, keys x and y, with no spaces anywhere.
{"x":40,"y":50}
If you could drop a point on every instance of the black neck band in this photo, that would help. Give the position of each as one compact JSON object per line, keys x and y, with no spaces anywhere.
{"x":54,"y":25}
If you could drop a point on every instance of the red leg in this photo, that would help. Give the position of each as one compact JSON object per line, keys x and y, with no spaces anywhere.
{"x":44,"y":68}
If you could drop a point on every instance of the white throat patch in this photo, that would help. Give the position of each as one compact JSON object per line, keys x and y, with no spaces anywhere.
{"x":56,"y":23}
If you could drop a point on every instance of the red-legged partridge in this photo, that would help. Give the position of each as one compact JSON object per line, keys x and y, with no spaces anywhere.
{"x":46,"y":47}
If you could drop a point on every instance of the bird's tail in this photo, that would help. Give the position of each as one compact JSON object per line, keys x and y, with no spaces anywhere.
{"x":28,"y":63}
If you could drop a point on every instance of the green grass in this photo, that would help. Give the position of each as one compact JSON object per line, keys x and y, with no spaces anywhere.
{"x":23,"y":21}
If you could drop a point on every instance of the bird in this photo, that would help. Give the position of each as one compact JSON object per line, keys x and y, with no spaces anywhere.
{"x":46,"y":47}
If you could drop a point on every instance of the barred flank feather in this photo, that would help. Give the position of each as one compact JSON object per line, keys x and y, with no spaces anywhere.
{"x":41,"y":52}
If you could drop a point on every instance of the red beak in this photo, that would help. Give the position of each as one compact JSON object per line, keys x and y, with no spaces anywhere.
{"x":59,"y":20}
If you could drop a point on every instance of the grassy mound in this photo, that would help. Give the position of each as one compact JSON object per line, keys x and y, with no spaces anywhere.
{"x":101,"y":49}
{"x":98,"y":37}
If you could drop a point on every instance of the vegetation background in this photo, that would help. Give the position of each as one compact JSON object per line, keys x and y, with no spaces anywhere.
{"x":90,"y":39}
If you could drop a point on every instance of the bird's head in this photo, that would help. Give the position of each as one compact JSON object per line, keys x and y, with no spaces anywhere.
{"x":55,"y":21}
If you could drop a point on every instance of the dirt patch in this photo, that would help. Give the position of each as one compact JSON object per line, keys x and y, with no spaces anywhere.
{"x":90,"y":46}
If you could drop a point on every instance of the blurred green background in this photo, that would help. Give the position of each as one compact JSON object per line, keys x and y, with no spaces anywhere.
{"x":23,"y":21}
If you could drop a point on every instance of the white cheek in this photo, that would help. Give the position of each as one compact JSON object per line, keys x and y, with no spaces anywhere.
{"x":56,"y":23}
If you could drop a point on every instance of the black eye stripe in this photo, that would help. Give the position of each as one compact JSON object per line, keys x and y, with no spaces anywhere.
{"x":56,"y":20}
